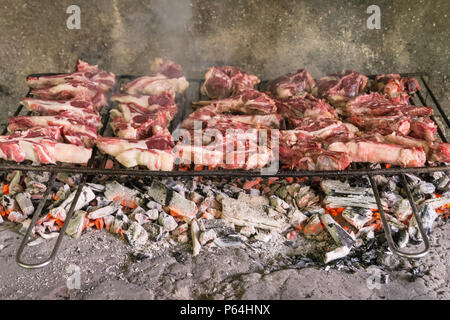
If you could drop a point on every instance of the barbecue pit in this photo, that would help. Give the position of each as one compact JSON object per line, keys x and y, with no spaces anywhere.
{"x":96,"y":166}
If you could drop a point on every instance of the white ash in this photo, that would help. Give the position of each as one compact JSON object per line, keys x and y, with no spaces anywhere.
{"x":357,"y":217}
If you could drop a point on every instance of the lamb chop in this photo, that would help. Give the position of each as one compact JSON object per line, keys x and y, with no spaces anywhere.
{"x":114,"y":146}
{"x":375,"y":104}
{"x":85,"y":72}
{"x":250,"y":102}
{"x":156,"y":84}
{"x":150,"y":103}
{"x":153,"y":159}
{"x":76,"y":108}
{"x":225,"y":154}
{"x":41,"y":145}
{"x":320,"y":129}
{"x":133,"y":122}
{"x":295,"y":108}
{"x":73,"y":89}
{"x":75,"y":130}
{"x":168,"y":78}
{"x":312,"y":158}
{"x":365,"y":150}
{"x":394,"y":86}
{"x":423,"y":128}
{"x":223,"y":82}
{"x":436,"y":151}
{"x":339,"y":87}
{"x":384,"y":124}
{"x":293,"y":84}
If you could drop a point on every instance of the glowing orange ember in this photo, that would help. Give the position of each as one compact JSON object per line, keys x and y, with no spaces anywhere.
{"x":6,"y":189}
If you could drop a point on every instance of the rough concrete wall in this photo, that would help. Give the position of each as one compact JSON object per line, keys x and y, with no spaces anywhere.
{"x":266,"y":37}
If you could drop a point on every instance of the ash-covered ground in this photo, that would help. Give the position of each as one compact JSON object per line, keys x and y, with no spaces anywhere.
{"x":280,"y":267}
{"x":109,"y":270}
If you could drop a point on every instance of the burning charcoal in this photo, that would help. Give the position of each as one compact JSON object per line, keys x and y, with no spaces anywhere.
{"x":293,"y":188}
{"x":71,"y":180}
{"x":402,"y":238}
{"x":103,"y":212}
{"x":436,"y":203}
{"x":306,"y":197}
{"x":297,"y":218}
{"x":86,"y":196}
{"x":154,"y":205}
{"x":108,"y":220}
{"x":357,"y":217}
{"x":14,"y":185}
{"x":167,"y":221}
{"x":76,"y":224}
{"x":207,"y":236}
{"x":279,"y":204}
{"x":195,"y":233}
{"x":1,"y":219}
{"x":337,"y":253}
{"x":181,"y":206}
{"x":313,"y":210}
{"x":16,"y":216}
{"x":339,"y":235}
{"x":155,"y":232}
{"x":196,"y":197}
{"x":96,"y":187}
{"x":25,"y":204}
{"x":263,"y":236}
{"x":394,"y":224}
{"x":313,"y":226}
{"x":41,"y":177}
{"x":152,"y":214}
{"x":256,"y":201}
{"x":8,"y":204}
{"x":442,"y":183}
{"x":115,"y":191}
{"x":158,"y":192}
{"x":391,"y":198}
{"x":242,"y":214}
{"x":247,"y":231}
{"x":427,"y":215}
{"x":229,"y":241}
{"x":117,"y":226}
{"x":403,"y":210}
{"x":136,"y":234}
{"x":281,"y":192}
{"x":255,"y":192}
{"x":341,"y":195}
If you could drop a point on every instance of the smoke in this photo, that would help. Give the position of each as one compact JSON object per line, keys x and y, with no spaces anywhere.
{"x":141,"y":33}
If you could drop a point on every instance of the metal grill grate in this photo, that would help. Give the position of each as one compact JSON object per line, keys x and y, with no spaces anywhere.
{"x":96,"y":166}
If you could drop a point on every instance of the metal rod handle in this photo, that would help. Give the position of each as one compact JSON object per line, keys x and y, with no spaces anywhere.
{"x":387,"y":231}
{"x":61,"y":232}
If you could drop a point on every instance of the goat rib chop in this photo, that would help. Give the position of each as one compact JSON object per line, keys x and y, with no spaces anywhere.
{"x":339,"y":87}
{"x":395,"y":86}
{"x":375,"y":104}
{"x":75,"y":131}
{"x":293,"y":84}
{"x":85,"y":72}
{"x":222,"y":82}
{"x":363,"y":150}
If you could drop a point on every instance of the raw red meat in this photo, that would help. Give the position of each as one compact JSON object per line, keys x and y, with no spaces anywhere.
{"x":222,"y":82}
{"x":85,"y":72}
{"x":375,"y":104}
{"x":293,"y":84}
{"x":394,"y":86}
{"x":423,"y":128}
{"x":363,"y":150}
{"x":339,"y":87}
